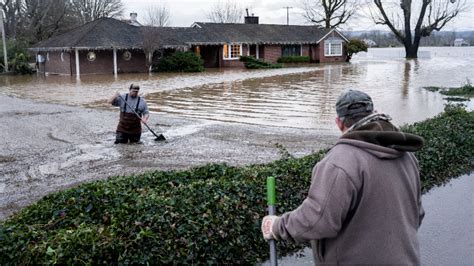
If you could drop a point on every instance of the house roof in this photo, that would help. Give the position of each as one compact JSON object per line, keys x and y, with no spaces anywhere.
{"x":219,"y":33}
{"x":108,"y":33}
{"x":103,"y":33}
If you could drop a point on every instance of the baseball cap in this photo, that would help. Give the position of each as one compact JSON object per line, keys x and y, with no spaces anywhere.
{"x":354,"y":103}
{"x":135,"y":87}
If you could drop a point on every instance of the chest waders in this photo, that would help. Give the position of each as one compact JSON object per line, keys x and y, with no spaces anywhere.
{"x":158,"y":137}
{"x":129,"y":123}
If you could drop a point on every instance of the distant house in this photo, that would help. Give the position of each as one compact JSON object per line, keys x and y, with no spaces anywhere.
{"x":111,"y":46}
{"x":369,"y":42}
{"x":132,"y":20}
{"x":460,"y":42}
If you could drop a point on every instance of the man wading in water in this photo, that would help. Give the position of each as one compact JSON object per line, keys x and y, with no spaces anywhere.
{"x":129,"y":128}
{"x":364,"y":202}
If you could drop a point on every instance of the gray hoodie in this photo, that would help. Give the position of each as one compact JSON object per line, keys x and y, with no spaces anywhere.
{"x":364,"y":202}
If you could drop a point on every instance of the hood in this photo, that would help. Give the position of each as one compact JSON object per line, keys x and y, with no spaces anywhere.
{"x":381,"y":138}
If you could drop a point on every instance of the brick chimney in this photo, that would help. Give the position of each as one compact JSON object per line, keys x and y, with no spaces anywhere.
{"x":133,"y":17}
{"x":250,"y":19}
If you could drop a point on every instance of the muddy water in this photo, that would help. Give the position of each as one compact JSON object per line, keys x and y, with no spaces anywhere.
{"x":50,"y":141}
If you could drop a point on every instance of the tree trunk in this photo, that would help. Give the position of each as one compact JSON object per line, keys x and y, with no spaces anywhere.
{"x":411,"y":50}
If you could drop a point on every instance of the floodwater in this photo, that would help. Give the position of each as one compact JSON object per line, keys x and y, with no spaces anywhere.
{"x":301,"y":97}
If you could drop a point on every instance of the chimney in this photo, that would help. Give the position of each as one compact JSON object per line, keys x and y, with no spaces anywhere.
{"x":250,"y":19}
{"x":133,"y":17}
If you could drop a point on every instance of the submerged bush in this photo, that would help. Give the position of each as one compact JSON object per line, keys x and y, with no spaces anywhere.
{"x":18,"y":61}
{"x":293,"y":59}
{"x":180,"y":62}
{"x":209,"y":214}
{"x":251,"y":62}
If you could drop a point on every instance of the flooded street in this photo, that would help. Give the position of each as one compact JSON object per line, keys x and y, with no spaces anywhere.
{"x":57,"y":131}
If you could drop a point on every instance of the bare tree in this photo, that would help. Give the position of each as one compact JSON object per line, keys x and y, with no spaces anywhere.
{"x":329,"y":13}
{"x":42,"y":19}
{"x":228,"y":11}
{"x":432,"y":15}
{"x":89,"y":10}
{"x":12,"y":10}
{"x":157,"y":15}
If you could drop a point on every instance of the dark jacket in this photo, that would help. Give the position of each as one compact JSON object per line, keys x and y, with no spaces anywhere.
{"x":364,"y":202}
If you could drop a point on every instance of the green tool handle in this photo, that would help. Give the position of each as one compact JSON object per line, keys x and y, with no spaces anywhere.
{"x":271,"y":198}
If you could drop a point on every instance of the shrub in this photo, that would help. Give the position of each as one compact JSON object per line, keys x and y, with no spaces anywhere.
{"x":449,"y":138}
{"x":251,"y":62}
{"x":354,"y":46}
{"x":293,"y":59}
{"x":209,"y":214}
{"x":180,"y":62}
{"x":18,"y":57}
{"x":20,"y":65}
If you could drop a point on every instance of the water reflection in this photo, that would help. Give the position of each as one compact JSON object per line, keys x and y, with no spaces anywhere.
{"x":291,"y":97}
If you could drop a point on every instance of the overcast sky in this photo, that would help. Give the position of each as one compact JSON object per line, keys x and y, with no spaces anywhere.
{"x":185,"y":12}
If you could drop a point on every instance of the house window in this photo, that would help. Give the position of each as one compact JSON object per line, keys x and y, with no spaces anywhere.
{"x":291,"y":50}
{"x":333,"y":48}
{"x":127,"y":55}
{"x":91,"y":56}
{"x":232,"y":51}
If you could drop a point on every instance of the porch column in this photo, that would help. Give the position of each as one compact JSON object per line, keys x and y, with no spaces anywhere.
{"x":78,"y":71}
{"x":115,"y":61}
{"x":258,"y":55}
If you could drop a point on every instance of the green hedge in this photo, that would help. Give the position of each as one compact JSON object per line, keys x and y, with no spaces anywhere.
{"x":251,"y":62}
{"x":209,"y":214}
{"x":293,"y":59}
{"x":180,"y":62}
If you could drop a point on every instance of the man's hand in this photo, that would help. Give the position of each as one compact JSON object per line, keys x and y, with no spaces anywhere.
{"x":144,"y":119}
{"x":267,"y":225}
{"x":112,"y":99}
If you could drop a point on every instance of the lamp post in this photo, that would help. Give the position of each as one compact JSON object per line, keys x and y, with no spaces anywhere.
{"x":4,"y":42}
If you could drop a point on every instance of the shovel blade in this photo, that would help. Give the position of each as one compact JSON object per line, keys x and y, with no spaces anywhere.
{"x":160,"y":138}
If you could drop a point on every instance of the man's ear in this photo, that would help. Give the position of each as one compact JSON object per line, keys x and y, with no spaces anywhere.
{"x":340,"y":124}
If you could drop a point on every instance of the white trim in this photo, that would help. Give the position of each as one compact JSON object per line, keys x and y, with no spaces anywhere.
{"x":301,"y":50}
{"x":342,"y":36}
{"x":330,"y":48}
{"x":229,"y":51}
{"x":195,"y":24}
{"x":258,"y":50}
{"x":248,"y":49}
{"x":115,"y":61}
{"x":78,"y":70}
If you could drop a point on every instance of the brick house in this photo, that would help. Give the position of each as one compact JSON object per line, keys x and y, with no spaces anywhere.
{"x":110,"y":46}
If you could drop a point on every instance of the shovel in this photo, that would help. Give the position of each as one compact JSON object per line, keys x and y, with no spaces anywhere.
{"x":271,"y":201}
{"x":158,"y":137}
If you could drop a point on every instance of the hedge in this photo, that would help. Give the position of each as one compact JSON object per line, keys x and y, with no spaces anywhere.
{"x":180,"y":62}
{"x":293,"y":59}
{"x":209,"y":214}
{"x":251,"y":62}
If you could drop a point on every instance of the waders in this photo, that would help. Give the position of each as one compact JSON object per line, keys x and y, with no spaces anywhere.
{"x":158,"y":137}
{"x":271,"y":201}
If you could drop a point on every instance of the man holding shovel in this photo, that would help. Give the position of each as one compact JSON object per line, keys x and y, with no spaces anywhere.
{"x":129,"y":128}
{"x":364,"y":202}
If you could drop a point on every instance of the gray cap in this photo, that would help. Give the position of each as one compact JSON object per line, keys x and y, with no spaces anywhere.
{"x":354,"y":103}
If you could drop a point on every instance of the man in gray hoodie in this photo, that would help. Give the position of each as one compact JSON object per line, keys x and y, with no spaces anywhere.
{"x":364,"y":202}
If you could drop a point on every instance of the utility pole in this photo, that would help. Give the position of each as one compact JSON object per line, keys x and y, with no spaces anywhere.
{"x":4,"y":43}
{"x":287,"y":14}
